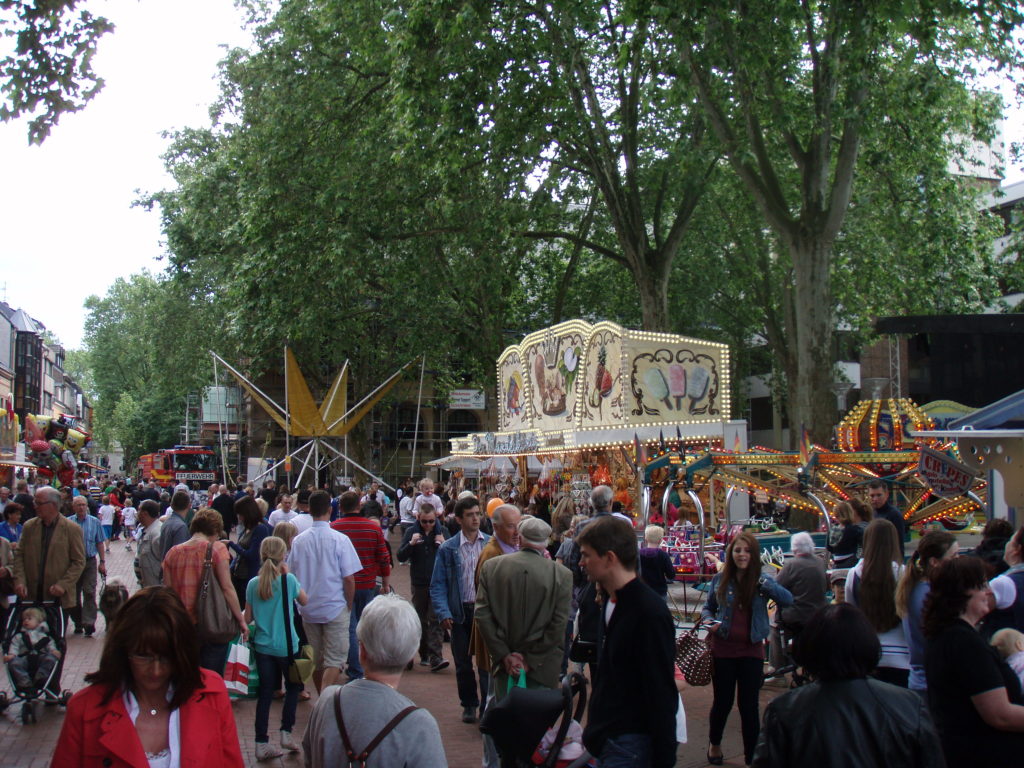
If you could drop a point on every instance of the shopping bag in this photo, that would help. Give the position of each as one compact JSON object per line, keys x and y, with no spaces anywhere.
{"x":236,"y":671}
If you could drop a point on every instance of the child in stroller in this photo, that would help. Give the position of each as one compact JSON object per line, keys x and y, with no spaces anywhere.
{"x":33,"y":653}
{"x":33,"y":649}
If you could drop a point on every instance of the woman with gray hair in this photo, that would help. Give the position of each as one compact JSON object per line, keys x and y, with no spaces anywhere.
{"x":348,"y":720}
{"x":804,"y":576}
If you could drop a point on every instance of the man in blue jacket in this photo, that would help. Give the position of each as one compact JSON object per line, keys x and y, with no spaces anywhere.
{"x":453,"y":593}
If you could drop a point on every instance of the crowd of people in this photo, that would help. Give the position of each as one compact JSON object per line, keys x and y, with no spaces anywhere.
{"x":911,"y":663}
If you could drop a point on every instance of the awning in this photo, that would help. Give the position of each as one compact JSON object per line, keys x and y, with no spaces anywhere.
{"x":455,"y":462}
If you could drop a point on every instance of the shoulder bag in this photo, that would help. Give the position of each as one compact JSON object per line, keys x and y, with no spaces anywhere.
{"x":693,"y":657}
{"x":300,"y":666}
{"x":359,"y":760}
{"x":215,"y":623}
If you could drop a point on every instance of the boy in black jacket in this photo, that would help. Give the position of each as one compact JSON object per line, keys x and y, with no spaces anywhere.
{"x":634,"y":703}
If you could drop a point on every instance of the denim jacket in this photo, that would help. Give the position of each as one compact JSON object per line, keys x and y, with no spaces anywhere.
{"x":769,"y":590}
{"x":446,"y":581}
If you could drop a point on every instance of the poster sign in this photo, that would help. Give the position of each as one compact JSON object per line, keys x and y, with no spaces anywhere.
{"x":467,"y":400}
{"x":947,"y":476}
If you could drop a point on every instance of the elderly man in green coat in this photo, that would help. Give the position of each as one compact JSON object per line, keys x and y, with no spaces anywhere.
{"x":522,"y":606}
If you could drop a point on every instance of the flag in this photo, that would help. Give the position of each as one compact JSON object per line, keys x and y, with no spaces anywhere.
{"x":638,"y":451}
{"x":805,"y":447}
{"x":737,"y":446}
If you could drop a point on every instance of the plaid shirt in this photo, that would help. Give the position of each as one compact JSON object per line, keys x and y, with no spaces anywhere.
{"x":183,"y":570}
{"x":368,"y":539}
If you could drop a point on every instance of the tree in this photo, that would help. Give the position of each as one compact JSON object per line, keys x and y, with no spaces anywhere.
{"x":575,"y":96}
{"x":49,"y":72}
{"x":145,"y":344}
{"x":794,"y":93}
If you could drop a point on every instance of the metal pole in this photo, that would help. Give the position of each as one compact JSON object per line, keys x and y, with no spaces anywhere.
{"x":220,"y":428}
{"x":288,"y":421}
{"x":700,"y":514}
{"x":416,"y":426}
{"x":359,"y":466}
{"x":824,"y":512}
{"x":255,"y":389}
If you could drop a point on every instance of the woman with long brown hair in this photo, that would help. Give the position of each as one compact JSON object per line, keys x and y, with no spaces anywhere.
{"x":871,"y":586}
{"x":149,"y":703}
{"x":932,"y":549}
{"x":736,"y":613}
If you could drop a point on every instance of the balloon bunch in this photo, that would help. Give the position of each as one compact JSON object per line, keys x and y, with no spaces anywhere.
{"x":55,"y":447}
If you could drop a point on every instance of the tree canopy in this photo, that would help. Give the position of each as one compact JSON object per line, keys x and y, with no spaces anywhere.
{"x":386,"y":179}
{"x":49,"y":71}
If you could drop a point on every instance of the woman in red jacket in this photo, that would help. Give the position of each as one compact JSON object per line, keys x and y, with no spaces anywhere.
{"x":149,"y":704}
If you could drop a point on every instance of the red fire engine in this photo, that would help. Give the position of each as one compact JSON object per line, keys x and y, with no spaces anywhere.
{"x":180,"y":464}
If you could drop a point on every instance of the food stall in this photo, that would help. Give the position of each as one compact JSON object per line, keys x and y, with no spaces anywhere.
{"x":580,"y":405}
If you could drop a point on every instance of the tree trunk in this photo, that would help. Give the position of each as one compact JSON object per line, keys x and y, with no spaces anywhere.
{"x":812,"y":405}
{"x":651,"y":280}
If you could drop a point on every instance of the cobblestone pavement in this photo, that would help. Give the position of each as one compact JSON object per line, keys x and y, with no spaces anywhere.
{"x":32,"y":746}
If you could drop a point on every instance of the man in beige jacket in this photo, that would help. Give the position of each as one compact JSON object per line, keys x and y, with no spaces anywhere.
{"x":51,"y":554}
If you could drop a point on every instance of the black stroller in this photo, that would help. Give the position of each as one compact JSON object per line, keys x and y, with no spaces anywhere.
{"x":520,"y":721}
{"x":34,"y":669}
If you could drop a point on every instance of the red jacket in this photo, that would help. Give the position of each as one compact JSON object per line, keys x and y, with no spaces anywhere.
{"x":102,"y":735}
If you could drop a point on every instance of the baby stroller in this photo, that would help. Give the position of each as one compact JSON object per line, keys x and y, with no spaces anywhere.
{"x":525,"y":719}
{"x":34,"y":674}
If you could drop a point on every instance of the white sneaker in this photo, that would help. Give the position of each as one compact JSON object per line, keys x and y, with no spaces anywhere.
{"x":288,"y":743}
{"x":267,"y":751}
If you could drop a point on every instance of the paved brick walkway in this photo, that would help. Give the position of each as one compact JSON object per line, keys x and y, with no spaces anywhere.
{"x":32,"y":746}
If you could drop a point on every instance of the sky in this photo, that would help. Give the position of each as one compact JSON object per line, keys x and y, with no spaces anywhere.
{"x":67,"y":225}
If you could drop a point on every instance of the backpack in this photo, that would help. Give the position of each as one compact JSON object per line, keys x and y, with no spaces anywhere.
{"x":359,"y":760}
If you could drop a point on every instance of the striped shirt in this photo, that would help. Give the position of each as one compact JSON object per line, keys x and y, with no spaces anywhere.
{"x":368,"y":539}
{"x":469,"y":553}
{"x":92,"y":532}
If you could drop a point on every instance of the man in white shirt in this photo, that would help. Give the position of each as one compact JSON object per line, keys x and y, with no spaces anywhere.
{"x":325,"y":563}
{"x":284,"y":513}
{"x":302,"y":521}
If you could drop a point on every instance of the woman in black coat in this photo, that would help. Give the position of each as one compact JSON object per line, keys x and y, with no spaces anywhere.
{"x":844,"y":717}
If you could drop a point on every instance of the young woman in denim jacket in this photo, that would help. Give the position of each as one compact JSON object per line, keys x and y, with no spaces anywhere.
{"x":736,"y":613}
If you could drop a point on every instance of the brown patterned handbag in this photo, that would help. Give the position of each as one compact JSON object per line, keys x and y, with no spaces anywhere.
{"x":693,"y":657}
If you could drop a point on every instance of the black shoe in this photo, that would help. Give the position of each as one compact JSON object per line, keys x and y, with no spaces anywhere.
{"x":469,"y":714}
{"x":436,"y":665}
{"x":90,"y":630}
{"x":715,"y":760}
{"x":408,"y":666}
{"x":78,"y":630}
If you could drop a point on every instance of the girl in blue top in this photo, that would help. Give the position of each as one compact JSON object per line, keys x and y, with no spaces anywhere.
{"x":264,"y":607}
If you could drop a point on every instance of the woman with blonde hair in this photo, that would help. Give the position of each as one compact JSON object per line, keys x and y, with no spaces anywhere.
{"x":269,"y":598}
{"x":286,"y":532}
{"x":871,"y":586}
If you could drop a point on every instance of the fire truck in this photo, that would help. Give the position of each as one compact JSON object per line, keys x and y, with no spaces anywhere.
{"x":180,"y":464}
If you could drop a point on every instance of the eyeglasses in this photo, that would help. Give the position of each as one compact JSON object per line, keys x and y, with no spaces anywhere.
{"x":145,"y":661}
{"x":427,"y":522}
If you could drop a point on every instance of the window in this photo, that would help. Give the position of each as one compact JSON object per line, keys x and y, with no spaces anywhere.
{"x":462,"y":423}
{"x":401,"y":426}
